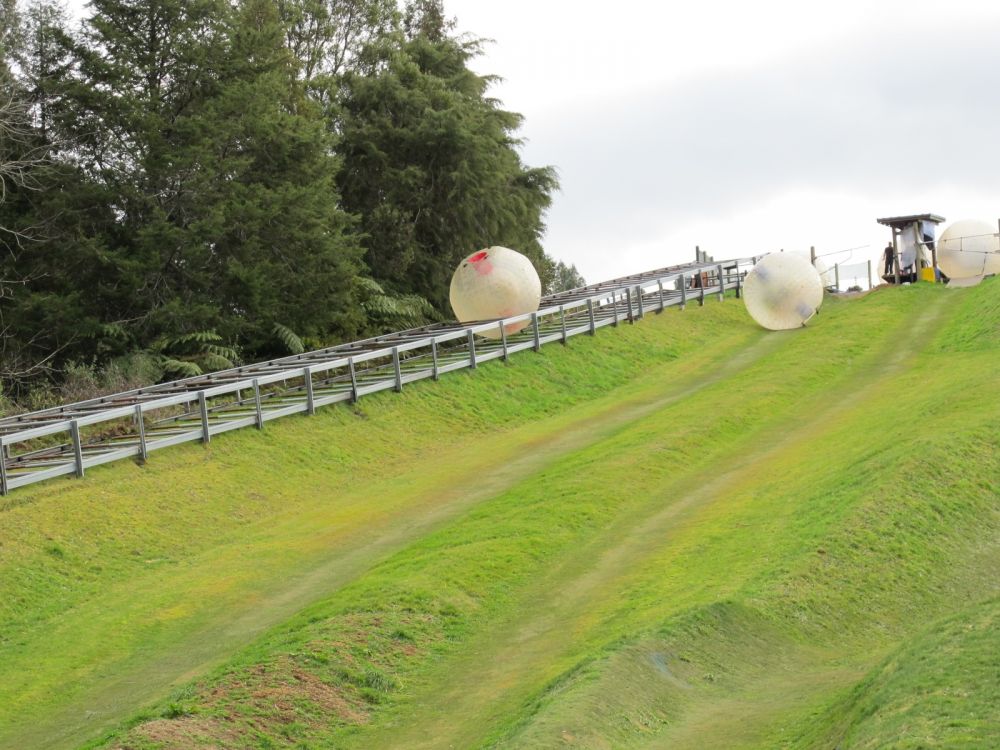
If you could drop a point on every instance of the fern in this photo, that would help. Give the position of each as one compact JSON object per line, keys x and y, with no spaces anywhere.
{"x":289,"y":338}
{"x":179,"y":368}
{"x":386,"y":311}
{"x":191,"y":354}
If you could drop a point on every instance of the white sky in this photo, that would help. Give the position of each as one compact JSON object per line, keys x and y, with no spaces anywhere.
{"x":747,"y":126}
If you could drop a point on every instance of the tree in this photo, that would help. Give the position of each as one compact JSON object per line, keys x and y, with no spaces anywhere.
{"x":564,"y":278}
{"x":218,"y":171}
{"x":10,"y":29}
{"x":431,"y":163}
{"x":326,"y":36}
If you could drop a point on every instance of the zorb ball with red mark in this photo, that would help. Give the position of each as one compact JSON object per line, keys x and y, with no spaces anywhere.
{"x":783,"y":291}
{"x":969,"y":248}
{"x":495,"y":283}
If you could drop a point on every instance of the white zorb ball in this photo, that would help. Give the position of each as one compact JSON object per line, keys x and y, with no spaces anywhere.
{"x":969,"y":248}
{"x":782,"y":291}
{"x":495,"y":283}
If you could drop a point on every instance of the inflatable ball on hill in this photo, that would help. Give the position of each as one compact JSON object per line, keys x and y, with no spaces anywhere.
{"x":969,"y":248}
{"x":495,"y":283}
{"x":783,"y":291}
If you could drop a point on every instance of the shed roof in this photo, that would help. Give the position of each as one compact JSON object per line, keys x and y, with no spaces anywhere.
{"x":902,"y":221}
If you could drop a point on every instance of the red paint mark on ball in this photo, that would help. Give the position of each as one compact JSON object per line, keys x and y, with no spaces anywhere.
{"x":481,"y":255}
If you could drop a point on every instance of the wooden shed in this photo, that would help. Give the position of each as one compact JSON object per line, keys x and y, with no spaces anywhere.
{"x":917,"y":231}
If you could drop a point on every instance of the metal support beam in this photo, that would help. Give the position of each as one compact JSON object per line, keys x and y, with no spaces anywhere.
{"x":628,"y":301}
{"x":3,"y":468}
{"x":534,"y":328}
{"x":562,"y":319}
{"x":434,"y":359}
{"x":256,"y":404}
{"x":397,"y":370}
{"x":722,"y":282}
{"x":473,"y":364}
{"x":206,"y":436}
{"x":684,"y":291}
{"x":503,"y":341}
{"x":140,"y":424}
{"x":590,"y":316}
{"x":310,"y":394}
{"x":354,"y":379}
{"x":663,"y":304}
{"x":614,"y":306}
{"x":74,"y":429}
{"x":638,"y":295}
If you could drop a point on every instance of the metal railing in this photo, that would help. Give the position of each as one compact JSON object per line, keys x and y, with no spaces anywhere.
{"x":70,"y":439}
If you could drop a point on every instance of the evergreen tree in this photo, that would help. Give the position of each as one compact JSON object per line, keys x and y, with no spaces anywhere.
{"x":431,"y":163}
{"x":327,"y":36}
{"x":218,"y":170}
{"x":564,"y":278}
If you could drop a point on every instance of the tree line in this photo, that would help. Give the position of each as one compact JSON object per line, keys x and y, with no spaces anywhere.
{"x":188,"y":184}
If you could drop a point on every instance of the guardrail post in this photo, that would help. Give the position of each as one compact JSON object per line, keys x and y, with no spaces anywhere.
{"x":702,"y":283}
{"x":256,"y":404}
{"x":628,"y":301}
{"x":141,"y":425}
{"x":3,"y":468}
{"x":206,"y":436}
{"x":434,"y":358}
{"x":354,"y":380}
{"x":684,"y":292}
{"x":534,"y":326}
{"x":310,"y":394}
{"x":638,"y":295}
{"x":472,"y":350}
{"x":396,"y":368}
{"x":663,"y":304}
{"x":590,"y":314}
{"x":836,"y":276}
{"x":739,"y":283}
{"x":722,"y":281}
{"x":503,"y":341}
{"x":74,"y":430}
{"x":614,"y":306}
{"x":562,"y":320}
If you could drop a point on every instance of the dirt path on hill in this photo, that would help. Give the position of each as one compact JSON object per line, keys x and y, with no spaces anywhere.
{"x":119,"y":693}
{"x":493,"y":675}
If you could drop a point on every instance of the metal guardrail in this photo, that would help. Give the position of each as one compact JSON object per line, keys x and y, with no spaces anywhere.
{"x":73,"y":438}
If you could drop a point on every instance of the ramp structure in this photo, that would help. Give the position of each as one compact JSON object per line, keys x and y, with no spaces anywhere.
{"x":73,"y":438}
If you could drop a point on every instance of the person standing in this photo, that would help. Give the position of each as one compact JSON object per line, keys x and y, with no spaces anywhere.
{"x":889,"y":261}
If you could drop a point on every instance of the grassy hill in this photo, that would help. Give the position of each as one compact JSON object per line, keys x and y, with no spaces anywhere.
{"x":686,"y":533}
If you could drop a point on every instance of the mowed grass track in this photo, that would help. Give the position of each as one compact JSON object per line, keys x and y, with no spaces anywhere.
{"x":689,"y":533}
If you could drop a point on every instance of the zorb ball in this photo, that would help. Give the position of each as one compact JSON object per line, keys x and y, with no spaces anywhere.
{"x":969,"y":248}
{"x":495,"y":283}
{"x":782,"y":291}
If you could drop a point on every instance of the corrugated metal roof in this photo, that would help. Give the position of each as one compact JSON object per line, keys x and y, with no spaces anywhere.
{"x":902,"y":221}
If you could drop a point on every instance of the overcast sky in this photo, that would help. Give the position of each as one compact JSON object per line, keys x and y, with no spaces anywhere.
{"x":745,"y":127}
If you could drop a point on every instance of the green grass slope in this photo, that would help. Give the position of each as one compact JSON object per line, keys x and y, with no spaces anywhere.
{"x":688,"y":533}
{"x":115,"y":588}
{"x":939,"y":690}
